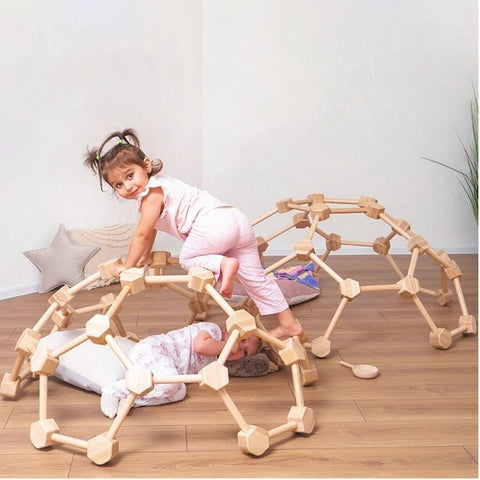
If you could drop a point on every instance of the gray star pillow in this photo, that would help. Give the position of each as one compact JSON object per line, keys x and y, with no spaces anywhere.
{"x":62,"y":262}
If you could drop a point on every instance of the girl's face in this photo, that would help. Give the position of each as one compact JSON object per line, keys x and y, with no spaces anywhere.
{"x":130,"y":180}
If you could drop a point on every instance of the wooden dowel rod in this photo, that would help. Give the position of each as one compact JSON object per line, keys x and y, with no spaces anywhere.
{"x":122,"y":356}
{"x":88,"y":309}
{"x":394,"y":265}
{"x":341,"y":201}
{"x":264,"y":217}
{"x":425,"y":314}
{"x":279,"y":232}
{"x":413,"y":262}
{"x":222,"y":303}
{"x":297,"y":385}
{"x":70,"y":441}
{"x":313,"y":227}
{"x":84,"y":283}
{"x":336,"y":317}
{"x":326,"y":268}
{"x":45,"y":317}
{"x":192,"y":378}
{"x":460,"y":297}
{"x":182,"y":291}
{"x":356,"y":243}
{"x":347,"y":210}
{"x":19,"y":361}
{"x":461,"y":329}
{"x":427,"y":291}
{"x":222,"y":358}
{"x":117,"y":303}
{"x":71,"y":344}
{"x":380,"y":288}
{"x":243,"y":425}
{"x":42,"y":396}
{"x":121,"y":415}
{"x":164,"y":279}
{"x":286,"y":427}
{"x":281,"y":262}
{"x":270,"y":339}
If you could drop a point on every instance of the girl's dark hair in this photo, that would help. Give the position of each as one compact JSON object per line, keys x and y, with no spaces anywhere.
{"x":125,"y":152}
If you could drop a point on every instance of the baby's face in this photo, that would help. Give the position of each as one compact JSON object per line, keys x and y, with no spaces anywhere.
{"x":244,"y":348}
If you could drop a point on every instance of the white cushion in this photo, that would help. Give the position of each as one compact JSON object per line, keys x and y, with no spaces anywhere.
{"x":88,"y":365}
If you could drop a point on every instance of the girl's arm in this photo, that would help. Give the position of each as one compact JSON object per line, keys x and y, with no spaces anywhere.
{"x":205,"y":344}
{"x":144,"y":236}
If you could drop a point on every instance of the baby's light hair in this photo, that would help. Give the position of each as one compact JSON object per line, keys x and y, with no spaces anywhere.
{"x":126,"y":151}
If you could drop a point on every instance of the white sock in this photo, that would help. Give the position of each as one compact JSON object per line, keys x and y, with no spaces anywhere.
{"x":109,"y":405}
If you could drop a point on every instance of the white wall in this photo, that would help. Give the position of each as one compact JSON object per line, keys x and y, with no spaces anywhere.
{"x":253,"y":100}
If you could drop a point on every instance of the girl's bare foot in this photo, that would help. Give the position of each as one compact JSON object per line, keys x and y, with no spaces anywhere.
{"x":289,"y":326}
{"x":229,"y":269}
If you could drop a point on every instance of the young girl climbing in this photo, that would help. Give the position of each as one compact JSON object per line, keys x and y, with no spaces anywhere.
{"x":179,"y":352}
{"x":216,"y":235}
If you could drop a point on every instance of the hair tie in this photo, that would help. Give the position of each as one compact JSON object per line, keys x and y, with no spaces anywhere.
{"x":98,"y":157}
{"x":121,"y":140}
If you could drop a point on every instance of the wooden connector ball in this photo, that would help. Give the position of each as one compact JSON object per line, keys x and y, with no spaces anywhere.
{"x":62,"y":296}
{"x":321,"y":347}
{"x":255,"y":440}
{"x":199,"y":277}
{"x":444,"y":298}
{"x":374,"y":210}
{"x":418,"y":242}
{"x":303,"y":249}
{"x":139,"y":380}
{"x":333,"y":242}
{"x":42,"y":362}
{"x":304,"y":418}
{"x":300,"y":220}
{"x":101,"y":449}
{"x":292,"y":352}
{"x":470,"y":322}
{"x":282,"y":205}
{"x":106,"y":268}
{"x":381,"y":246}
{"x":320,"y":210}
{"x":133,"y":278}
{"x":214,"y":376}
{"x":316,"y":198}
{"x":28,"y":341}
{"x":97,"y":329}
{"x":349,"y":288}
{"x":365,"y":201}
{"x":409,"y":286}
{"x":241,"y":320}
{"x":41,"y":432}
{"x":441,"y":339}
{"x":9,"y":388}
{"x":308,"y":374}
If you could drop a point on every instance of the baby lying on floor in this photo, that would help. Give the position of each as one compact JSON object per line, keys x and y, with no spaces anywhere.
{"x":178,"y":352}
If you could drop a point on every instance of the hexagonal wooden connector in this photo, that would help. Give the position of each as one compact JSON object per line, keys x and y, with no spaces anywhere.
{"x":364,"y":201}
{"x":262,"y":244}
{"x":282,"y":205}
{"x":255,"y":440}
{"x":470,"y":322}
{"x":199,"y":277}
{"x":381,"y":246}
{"x":134,"y":278}
{"x":158,"y":259}
{"x":374,"y":210}
{"x":300,"y":220}
{"x":62,"y":296}
{"x":107,"y":301}
{"x":106,"y":268}
{"x":304,"y":418}
{"x":308,"y":373}
{"x":316,"y":198}
{"x":453,"y":270}
{"x":303,"y":249}
{"x":241,"y":320}
{"x":214,"y":376}
{"x":333,"y":242}
{"x":101,"y":449}
{"x":98,"y":327}
{"x":293,"y":351}
{"x":63,"y":318}
{"x":321,"y":347}
{"x":9,"y":388}
{"x":139,"y":380}
{"x":28,"y":341}
{"x":42,"y":362}
{"x":349,"y":288}
{"x":418,"y":242}
{"x":409,"y":286}
{"x":442,"y":339}
{"x":444,"y":298}
{"x":320,"y":210}
{"x":41,"y":433}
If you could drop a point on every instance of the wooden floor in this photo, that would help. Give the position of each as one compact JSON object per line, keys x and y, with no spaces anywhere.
{"x":418,"y":418}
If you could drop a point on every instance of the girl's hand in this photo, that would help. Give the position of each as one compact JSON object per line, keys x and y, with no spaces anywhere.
{"x":117,"y":270}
